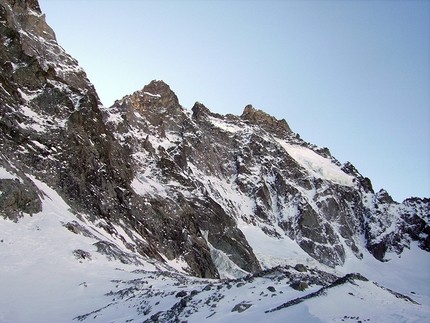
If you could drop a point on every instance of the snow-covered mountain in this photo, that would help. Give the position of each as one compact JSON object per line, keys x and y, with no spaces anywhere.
{"x":146,"y":211}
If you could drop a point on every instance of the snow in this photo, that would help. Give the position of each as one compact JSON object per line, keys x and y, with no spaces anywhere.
{"x":365,"y":302}
{"x":115,"y":118}
{"x":151,"y":94}
{"x":39,"y":123}
{"x":178,"y":264}
{"x":229,"y":127}
{"x":271,"y":251}
{"x":408,"y":274}
{"x":38,"y":144}
{"x":143,"y":185}
{"x":27,"y":97}
{"x":317,"y":165}
{"x":42,"y":281}
{"x":4,"y":174}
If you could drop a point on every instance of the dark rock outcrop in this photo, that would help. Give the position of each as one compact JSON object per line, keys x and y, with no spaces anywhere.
{"x":17,"y":198}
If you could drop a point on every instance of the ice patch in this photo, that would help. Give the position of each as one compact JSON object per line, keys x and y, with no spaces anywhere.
{"x":317,"y":165}
{"x":178,"y":263}
{"x":144,"y":185}
{"x":271,"y":251}
{"x":4,"y":174}
{"x":151,"y":94}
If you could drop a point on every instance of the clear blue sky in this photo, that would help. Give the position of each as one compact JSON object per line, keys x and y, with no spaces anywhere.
{"x":350,"y":75}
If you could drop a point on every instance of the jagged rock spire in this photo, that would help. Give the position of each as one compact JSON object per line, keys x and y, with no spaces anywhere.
{"x":270,"y":123}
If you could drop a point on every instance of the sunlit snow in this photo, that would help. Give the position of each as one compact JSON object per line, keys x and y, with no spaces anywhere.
{"x":317,"y":165}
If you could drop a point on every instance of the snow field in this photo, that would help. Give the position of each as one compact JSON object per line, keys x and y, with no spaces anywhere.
{"x":317,"y":165}
{"x":40,"y":278}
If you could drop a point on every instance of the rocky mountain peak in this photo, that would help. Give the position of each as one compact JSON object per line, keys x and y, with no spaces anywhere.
{"x":27,"y":18}
{"x":155,"y":95}
{"x":155,"y":106}
{"x":266,"y":121}
{"x":383,"y":197}
{"x":196,"y":189}
{"x":25,"y":4}
{"x":157,"y":87}
{"x":25,"y":30}
{"x":199,"y":110}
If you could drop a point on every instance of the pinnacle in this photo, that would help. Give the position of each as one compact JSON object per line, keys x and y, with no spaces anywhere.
{"x":156,"y":94}
{"x":259,"y":117}
{"x":157,"y":87}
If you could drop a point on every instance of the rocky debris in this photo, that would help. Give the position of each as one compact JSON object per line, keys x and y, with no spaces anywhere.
{"x":77,"y":228}
{"x":301,"y":268}
{"x":195,"y":298}
{"x":349,"y":278}
{"x":112,"y":252}
{"x":241,"y":307}
{"x":299,"y":285}
{"x":81,"y":254}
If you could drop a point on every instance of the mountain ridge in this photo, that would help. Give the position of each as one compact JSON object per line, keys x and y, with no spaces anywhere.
{"x":146,"y":182}
{"x":174,"y":121}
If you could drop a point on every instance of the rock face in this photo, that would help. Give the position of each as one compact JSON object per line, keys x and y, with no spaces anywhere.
{"x":182,"y":185}
{"x":253,"y":170}
{"x":17,"y":198}
{"x":52,"y":127}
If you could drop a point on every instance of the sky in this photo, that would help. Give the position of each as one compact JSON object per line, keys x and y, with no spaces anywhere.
{"x":353,"y":76}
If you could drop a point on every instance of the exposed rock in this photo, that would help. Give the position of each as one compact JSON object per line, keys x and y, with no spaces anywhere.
{"x":301,"y":268}
{"x":383,"y":197}
{"x":112,"y":252}
{"x":266,"y":121}
{"x":271,"y":289}
{"x":81,"y":254}
{"x":177,"y":183}
{"x":17,"y":198}
{"x":241,"y":307}
{"x":299,"y":285}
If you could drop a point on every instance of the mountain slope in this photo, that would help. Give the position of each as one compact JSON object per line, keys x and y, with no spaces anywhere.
{"x":99,"y":203}
{"x":53,"y":270}
{"x":52,"y":128}
{"x":253,"y":170}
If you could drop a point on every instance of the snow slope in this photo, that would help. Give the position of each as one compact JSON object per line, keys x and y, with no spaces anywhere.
{"x":45,"y":279}
{"x":318,"y":166}
{"x":40,"y":277}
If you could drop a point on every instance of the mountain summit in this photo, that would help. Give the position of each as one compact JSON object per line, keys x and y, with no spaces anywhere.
{"x":234,"y":171}
{"x":149,"y":184}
